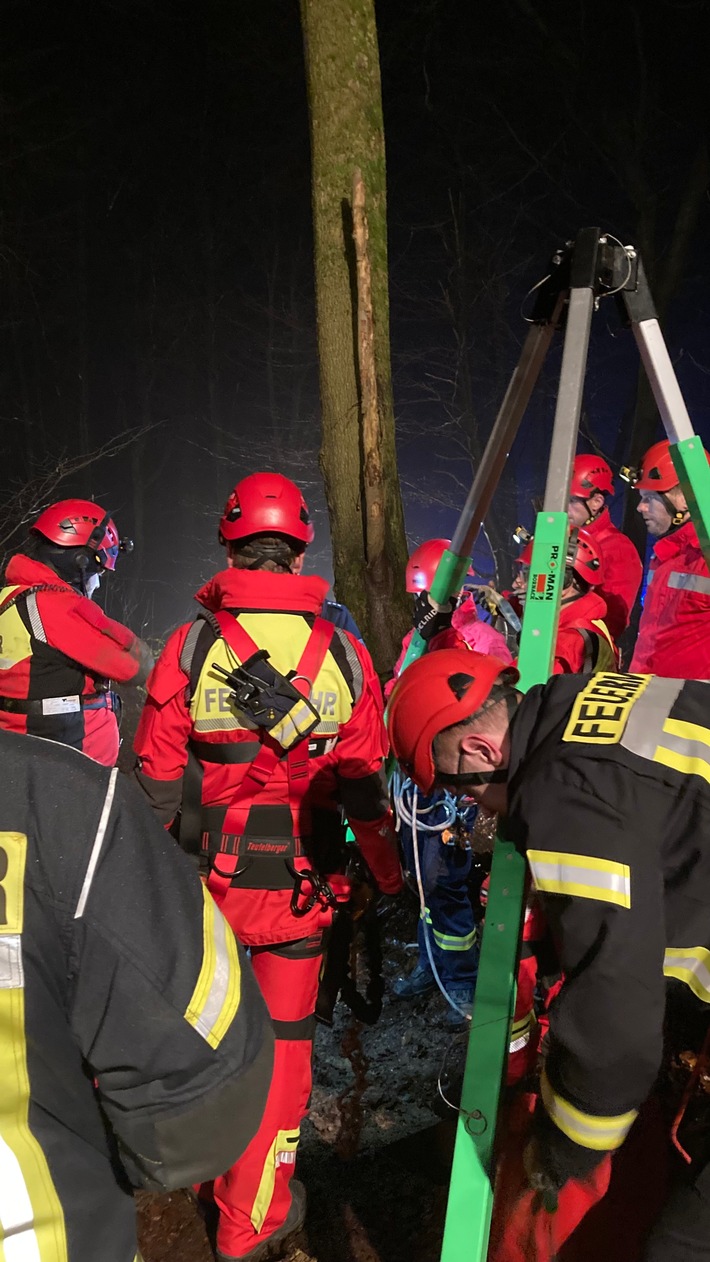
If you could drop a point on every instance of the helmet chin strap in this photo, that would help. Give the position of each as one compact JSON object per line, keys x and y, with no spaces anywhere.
{"x":469,"y":779}
{"x":678,"y":516}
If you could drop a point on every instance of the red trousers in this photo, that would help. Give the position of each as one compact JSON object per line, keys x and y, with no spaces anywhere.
{"x":606,"y":1216}
{"x":253,"y":1196}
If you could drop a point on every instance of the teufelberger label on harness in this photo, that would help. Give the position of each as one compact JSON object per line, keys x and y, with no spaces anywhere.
{"x":602,"y":709}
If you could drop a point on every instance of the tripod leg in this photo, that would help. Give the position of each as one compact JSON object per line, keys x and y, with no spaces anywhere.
{"x":454,"y":564}
{"x":662,"y":379}
{"x":503,"y":433}
{"x":569,"y":399}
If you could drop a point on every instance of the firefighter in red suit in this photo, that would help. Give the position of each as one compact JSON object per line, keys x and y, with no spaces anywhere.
{"x":584,"y":643}
{"x":59,"y":651}
{"x":591,"y":484}
{"x":674,"y":632}
{"x":270,"y":825}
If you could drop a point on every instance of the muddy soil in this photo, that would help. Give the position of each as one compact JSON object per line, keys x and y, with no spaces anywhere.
{"x":376,"y":1148}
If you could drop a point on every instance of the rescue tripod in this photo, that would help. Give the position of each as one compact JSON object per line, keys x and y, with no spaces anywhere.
{"x":581,"y":273}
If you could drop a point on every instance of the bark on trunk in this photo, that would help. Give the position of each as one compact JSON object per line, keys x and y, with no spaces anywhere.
{"x":343,"y":76}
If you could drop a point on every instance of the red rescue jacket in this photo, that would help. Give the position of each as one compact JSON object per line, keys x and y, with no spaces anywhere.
{"x":674,"y":632}
{"x":623,"y":572}
{"x":58,"y":652}
{"x":188,"y":721}
{"x":582,"y":636}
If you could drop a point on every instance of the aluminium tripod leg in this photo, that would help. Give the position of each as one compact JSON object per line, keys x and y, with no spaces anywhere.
{"x":455,"y":562}
{"x":641,"y":314}
{"x":686,"y":448}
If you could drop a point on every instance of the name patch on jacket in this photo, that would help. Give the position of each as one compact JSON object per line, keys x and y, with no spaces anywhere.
{"x":601,"y":710}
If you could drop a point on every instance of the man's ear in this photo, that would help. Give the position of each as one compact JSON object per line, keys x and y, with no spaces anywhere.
{"x":297,"y":563}
{"x":485,"y":749}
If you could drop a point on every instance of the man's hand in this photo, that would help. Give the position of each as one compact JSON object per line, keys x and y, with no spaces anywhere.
{"x":540,"y":1180}
{"x":430,"y":617}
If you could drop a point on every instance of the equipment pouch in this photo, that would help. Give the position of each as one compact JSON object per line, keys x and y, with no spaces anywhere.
{"x":270,"y":700}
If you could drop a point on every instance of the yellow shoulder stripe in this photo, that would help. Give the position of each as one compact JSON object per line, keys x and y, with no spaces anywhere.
{"x":581,"y":876}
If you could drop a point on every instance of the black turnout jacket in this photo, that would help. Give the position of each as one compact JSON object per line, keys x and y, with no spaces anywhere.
{"x":609,"y":798}
{"x":135,"y":1048}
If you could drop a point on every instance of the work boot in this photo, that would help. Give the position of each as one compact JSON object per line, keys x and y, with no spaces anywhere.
{"x":277,"y":1242}
{"x":463,"y":997}
{"x":419,"y":982}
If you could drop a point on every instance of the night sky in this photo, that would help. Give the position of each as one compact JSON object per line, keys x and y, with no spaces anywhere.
{"x":156,"y":245}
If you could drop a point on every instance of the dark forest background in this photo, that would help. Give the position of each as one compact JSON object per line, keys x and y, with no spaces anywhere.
{"x":157,"y":338}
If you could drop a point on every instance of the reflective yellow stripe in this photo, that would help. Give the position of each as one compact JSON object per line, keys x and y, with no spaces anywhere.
{"x":586,"y":1129}
{"x":449,"y":941}
{"x":30,"y":1212}
{"x":685,"y":747}
{"x":580,"y":876}
{"x":216,"y":996}
{"x":692,"y":966}
{"x":520,"y":1032}
{"x":523,"y":1024}
{"x":281,"y":1152}
{"x":294,"y":725}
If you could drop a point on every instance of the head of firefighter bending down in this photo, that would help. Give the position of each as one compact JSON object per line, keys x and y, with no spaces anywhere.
{"x":266,"y":525}
{"x":448,"y":722}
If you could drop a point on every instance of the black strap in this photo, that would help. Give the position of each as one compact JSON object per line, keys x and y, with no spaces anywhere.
{"x":189,"y":826}
{"x":16,"y":705}
{"x":591,"y":645}
{"x":225,"y":753}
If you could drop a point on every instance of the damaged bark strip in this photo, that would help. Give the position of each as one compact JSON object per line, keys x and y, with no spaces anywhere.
{"x":373,"y":470}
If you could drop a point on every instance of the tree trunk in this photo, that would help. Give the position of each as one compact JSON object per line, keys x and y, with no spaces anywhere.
{"x":343,"y":76}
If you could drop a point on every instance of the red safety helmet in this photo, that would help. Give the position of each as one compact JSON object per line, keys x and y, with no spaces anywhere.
{"x":436,"y":691}
{"x":82,"y":524}
{"x":590,"y":474}
{"x":583,"y":556}
{"x":657,"y":472}
{"x":266,"y":504}
{"x":422,"y":565}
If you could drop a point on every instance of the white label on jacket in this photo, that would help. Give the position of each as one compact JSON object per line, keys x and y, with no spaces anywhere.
{"x":61,"y":705}
{"x":12,"y":975}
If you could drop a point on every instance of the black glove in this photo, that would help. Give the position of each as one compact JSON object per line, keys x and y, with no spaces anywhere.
{"x":430,"y":618}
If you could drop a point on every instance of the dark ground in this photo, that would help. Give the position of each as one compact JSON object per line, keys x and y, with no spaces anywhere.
{"x":374,"y":1152}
